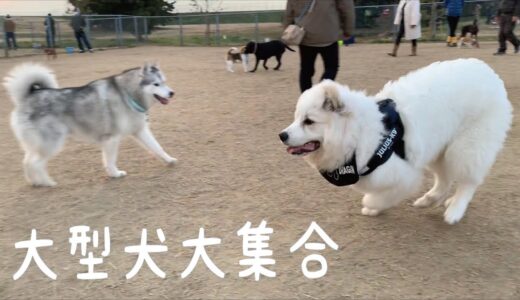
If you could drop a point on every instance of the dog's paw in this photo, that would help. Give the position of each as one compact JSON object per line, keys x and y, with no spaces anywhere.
{"x":369,"y":212}
{"x":49,"y":183}
{"x":453,"y":214}
{"x":171,"y":161}
{"x":424,"y":201}
{"x":448,"y":202}
{"x":117,"y":174}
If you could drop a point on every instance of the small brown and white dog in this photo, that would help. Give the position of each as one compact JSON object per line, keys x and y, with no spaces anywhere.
{"x":235,"y":55}
{"x":51,"y":53}
{"x":469,"y":35}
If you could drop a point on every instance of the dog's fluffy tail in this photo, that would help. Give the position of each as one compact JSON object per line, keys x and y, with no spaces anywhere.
{"x":24,"y":79}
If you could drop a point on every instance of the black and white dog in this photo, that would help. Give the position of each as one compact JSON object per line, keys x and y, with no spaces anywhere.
{"x":469,"y":35}
{"x":264,"y":51}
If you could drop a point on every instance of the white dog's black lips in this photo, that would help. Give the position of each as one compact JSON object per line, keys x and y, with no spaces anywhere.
{"x":304,"y":149}
{"x":163,"y":101}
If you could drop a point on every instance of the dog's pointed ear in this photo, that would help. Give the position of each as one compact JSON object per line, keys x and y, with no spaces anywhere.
{"x":154,"y":67}
{"x":145,"y":69}
{"x":332,"y":101}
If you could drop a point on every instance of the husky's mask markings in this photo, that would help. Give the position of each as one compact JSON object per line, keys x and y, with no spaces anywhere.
{"x":456,"y":138}
{"x":102,"y":112}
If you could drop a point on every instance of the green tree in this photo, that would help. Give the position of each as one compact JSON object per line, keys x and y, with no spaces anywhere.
{"x":129,"y":7}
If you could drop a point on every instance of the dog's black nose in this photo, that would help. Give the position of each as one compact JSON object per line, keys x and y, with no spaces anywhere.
{"x":283,"y":136}
{"x":171,"y":94}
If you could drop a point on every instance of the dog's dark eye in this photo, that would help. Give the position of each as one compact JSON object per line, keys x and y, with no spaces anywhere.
{"x":308,"y":122}
{"x":156,"y":84}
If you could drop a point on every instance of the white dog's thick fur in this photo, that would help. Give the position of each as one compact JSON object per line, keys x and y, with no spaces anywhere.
{"x":456,"y":116}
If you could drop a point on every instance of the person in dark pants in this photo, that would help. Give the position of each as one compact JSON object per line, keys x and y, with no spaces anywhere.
{"x":325,"y":22}
{"x":10,"y":36}
{"x":453,"y":13}
{"x":78,"y":24}
{"x":508,"y":15}
{"x":50,"y":31}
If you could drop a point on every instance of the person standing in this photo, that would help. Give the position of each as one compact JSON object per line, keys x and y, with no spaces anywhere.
{"x":408,"y":17}
{"x":325,"y":22}
{"x":78,"y":24}
{"x":50,"y":31}
{"x":508,"y":15}
{"x":9,"y":29}
{"x":453,"y":13}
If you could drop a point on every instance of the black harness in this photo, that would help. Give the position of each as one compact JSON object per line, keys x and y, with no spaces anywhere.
{"x":392,"y":142}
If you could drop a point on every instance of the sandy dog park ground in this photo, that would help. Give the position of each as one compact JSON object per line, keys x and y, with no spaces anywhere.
{"x":223,"y":129}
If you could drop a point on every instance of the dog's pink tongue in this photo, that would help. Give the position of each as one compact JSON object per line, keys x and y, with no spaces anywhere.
{"x":299,"y":149}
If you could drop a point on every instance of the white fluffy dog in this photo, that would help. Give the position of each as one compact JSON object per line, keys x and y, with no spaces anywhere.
{"x":455,"y":135}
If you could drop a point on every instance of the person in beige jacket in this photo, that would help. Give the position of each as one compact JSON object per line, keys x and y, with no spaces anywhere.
{"x":325,"y":22}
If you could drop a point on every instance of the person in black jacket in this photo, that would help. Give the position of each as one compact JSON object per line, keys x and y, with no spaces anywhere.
{"x":508,"y":15}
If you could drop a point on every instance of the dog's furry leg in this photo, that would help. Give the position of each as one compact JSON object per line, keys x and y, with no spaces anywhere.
{"x":35,"y":170}
{"x":256,"y":65}
{"x":110,"y":149}
{"x":458,"y":204}
{"x":229,"y":65}
{"x":279,"y":59}
{"x":265,"y":64}
{"x":245,"y":61}
{"x":439,"y":192}
{"x":375,"y":203}
{"x":148,"y":141}
{"x":397,"y":189}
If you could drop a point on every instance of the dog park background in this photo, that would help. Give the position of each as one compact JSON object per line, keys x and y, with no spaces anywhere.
{"x":374,"y":24}
{"x":232,"y":169}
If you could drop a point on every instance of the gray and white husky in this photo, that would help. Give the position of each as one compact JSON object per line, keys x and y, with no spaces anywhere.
{"x":102,"y":112}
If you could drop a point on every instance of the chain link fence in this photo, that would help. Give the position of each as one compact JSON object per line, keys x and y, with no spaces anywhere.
{"x":373,"y":24}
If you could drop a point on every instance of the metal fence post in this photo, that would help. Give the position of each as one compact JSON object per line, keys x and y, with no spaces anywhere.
{"x":136,"y":30}
{"x":87,"y":21}
{"x":145,"y":28}
{"x":257,"y":30}
{"x":181,"y":33}
{"x":433,"y":20}
{"x":119,"y":31}
{"x":32,"y":33}
{"x":217,"y":28}
{"x":4,"y":40}
{"x":58,"y":33}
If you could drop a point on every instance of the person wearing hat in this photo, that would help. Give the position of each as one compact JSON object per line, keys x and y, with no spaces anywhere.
{"x":9,"y":29}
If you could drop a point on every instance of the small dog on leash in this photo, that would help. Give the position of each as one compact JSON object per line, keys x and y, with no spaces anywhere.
{"x":102,"y":112}
{"x":469,"y":35}
{"x":51,"y":53}
{"x":235,"y":55}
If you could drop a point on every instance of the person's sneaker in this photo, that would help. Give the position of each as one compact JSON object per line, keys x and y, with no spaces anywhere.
{"x":499,"y":53}
{"x":90,"y":50}
{"x":82,"y":51}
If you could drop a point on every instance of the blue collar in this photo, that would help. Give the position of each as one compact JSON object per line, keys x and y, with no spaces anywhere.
{"x":135,"y":105}
{"x":391,"y":143}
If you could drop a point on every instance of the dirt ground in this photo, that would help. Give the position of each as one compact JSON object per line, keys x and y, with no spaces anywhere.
{"x":223,"y":129}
